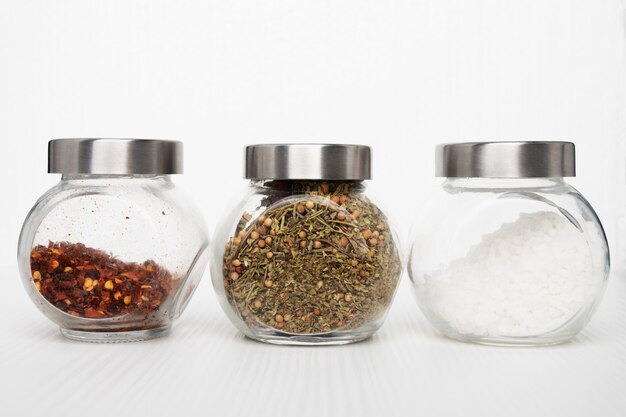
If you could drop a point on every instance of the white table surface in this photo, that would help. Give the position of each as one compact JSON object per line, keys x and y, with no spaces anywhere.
{"x":204,"y":367}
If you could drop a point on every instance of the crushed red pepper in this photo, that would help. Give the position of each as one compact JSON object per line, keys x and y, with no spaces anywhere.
{"x":87,"y":282}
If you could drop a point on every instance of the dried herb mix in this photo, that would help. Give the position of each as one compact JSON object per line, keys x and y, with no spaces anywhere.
{"x":321,"y":257}
{"x":86,"y":282}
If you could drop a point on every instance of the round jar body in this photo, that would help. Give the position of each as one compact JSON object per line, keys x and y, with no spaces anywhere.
{"x":509,"y":261}
{"x":113,"y":258}
{"x":306,"y":262}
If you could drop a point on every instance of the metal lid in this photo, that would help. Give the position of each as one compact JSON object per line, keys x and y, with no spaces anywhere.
{"x":506,"y":159}
{"x":308,"y":162}
{"x":115,"y":156}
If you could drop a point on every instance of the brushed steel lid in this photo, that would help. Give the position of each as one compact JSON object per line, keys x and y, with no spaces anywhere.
{"x":506,"y":159}
{"x":308,"y":162}
{"x":115,"y":156}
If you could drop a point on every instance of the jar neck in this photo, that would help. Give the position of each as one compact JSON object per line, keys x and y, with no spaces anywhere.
{"x":503,"y":183}
{"x":308,"y":186}
{"x":95,"y":178}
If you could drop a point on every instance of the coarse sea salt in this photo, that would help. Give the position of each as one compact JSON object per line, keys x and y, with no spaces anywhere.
{"x":528,"y":278}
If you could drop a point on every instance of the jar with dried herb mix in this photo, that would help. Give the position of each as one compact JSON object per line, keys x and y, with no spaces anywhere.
{"x":306,"y":257}
{"x":114,"y":251}
{"x":507,"y":252}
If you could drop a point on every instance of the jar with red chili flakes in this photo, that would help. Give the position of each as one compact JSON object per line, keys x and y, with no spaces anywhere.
{"x":114,"y":251}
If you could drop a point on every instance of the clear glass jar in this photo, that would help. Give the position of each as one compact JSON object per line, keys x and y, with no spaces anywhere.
{"x":506,"y":252}
{"x":114,"y":251}
{"x":306,"y":257}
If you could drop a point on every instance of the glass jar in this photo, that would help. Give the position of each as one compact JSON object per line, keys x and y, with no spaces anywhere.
{"x":507,"y":252}
{"x":305,"y":256}
{"x":114,"y":251}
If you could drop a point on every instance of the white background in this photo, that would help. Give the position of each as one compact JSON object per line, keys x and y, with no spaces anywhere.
{"x":400,"y":76}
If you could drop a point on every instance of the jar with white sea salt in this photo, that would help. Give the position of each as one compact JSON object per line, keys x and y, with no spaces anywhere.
{"x":506,"y":252}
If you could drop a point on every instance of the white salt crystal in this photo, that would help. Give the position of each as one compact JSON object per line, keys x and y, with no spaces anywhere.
{"x":528,"y":278}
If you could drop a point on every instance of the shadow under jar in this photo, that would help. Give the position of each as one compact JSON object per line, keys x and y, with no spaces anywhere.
{"x":114,"y":251}
{"x":507,"y":252}
{"x":306,"y":257}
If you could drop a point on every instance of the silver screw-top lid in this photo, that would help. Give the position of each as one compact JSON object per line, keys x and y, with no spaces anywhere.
{"x":115,"y":156}
{"x":308,"y":162}
{"x":506,"y":159}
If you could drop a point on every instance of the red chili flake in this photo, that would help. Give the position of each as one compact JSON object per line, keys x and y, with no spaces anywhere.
{"x":87,"y":282}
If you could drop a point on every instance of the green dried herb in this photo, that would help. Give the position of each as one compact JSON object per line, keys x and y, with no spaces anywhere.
{"x":320,"y":258}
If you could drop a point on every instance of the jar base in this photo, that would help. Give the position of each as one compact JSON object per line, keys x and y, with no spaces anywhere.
{"x":512,"y":341}
{"x":115,"y":337}
{"x":323,"y":339}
